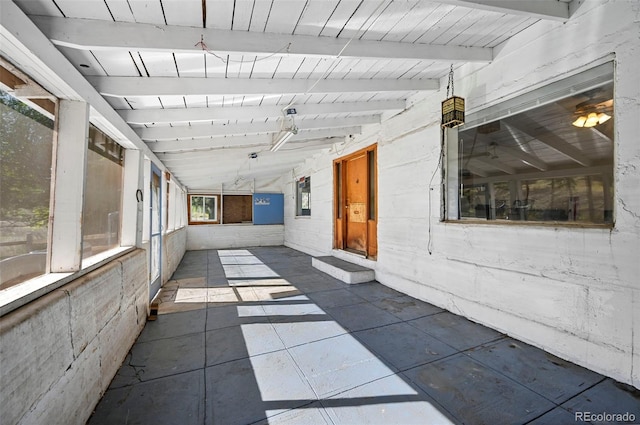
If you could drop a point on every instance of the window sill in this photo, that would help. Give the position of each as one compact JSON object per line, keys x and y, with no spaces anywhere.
{"x":555,"y":224}
{"x":303,"y":217}
{"x":18,"y":295}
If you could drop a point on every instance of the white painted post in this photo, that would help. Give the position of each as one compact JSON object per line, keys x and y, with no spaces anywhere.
{"x":65,"y":222}
{"x":132,"y":200}
{"x":146,"y":190}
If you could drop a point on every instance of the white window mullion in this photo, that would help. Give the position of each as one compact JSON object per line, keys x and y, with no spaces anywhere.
{"x":132,"y":198}
{"x":68,"y":188}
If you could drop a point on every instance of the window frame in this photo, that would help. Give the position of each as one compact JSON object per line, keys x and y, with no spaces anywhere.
{"x":216,"y":199}
{"x":548,"y":92}
{"x":300,"y":211}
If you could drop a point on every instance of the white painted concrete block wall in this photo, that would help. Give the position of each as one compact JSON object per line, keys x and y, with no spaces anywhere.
{"x":174,"y":246}
{"x":220,"y":236}
{"x":59,"y":353}
{"x":574,"y":292}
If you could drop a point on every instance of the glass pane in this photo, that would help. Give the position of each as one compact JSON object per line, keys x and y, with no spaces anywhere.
{"x":155,"y":203}
{"x":102,"y":200}
{"x":26,"y":144}
{"x":210,"y":208}
{"x":550,"y":163}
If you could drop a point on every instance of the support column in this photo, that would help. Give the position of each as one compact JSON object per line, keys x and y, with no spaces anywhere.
{"x":65,"y":221}
{"x":132,"y":199}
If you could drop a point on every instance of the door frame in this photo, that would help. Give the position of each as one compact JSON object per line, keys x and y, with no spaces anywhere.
{"x":155,"y":282}
{"x":339,"y":200}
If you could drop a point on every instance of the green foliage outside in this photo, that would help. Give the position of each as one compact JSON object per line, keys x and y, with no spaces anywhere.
{"x":25,"y":163}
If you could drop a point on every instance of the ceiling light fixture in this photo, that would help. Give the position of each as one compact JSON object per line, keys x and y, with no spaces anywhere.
{"x":593,"y":112}
{"x":283,"y":138}
{"x":591,"y":120}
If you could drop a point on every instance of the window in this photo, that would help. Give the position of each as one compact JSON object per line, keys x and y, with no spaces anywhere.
{"x":26,"y":146}
{"x":237,"y":209}
{"x":546,"y":157}
{"x":303,"y":197}
{"x":203,"y":209}
{"x":103,"y":194}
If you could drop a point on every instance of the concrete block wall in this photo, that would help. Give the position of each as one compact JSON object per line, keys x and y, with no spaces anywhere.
{"x":221,"y":236}
{"x":59,"y":353}
{"x":572,"y":291}
{"x":174,"y":246}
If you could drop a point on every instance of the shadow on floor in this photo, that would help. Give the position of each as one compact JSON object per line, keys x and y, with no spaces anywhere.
{"x":258,"y":335}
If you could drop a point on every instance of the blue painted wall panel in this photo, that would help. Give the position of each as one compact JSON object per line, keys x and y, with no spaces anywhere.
{"x":268,"y":208}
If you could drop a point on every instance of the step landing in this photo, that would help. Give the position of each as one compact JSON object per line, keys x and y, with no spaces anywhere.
{"x":343,"y":270}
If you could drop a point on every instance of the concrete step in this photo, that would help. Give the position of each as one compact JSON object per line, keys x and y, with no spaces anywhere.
{"x":347,"y":272}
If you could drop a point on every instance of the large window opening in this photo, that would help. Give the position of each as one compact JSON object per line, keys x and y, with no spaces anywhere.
{"x":546,"y":159}
{"x":26,"y":145}
{"x":103,"y":194}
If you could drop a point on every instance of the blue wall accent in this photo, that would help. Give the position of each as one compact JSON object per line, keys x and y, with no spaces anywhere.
{"x":268,"y":208}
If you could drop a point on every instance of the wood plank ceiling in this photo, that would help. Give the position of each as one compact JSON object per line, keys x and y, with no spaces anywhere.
{"x":205,"y":83}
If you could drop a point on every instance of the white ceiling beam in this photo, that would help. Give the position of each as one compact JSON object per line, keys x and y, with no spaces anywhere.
{"x":212,"y":130}
{"x":540,"y":9}
{"x":477,"y":171}
{"x":148,"y":116}
{"x":88,"y":34}
{"x":176,"y":86}
{"x":255,"y":140}
{"x":170,"y":158}
{"x":550,"y":139}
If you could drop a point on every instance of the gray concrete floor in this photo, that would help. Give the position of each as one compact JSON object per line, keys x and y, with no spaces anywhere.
{"x":257,"y":335}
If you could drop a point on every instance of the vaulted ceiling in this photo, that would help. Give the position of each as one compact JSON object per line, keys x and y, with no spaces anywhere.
{"x":207,"y":83}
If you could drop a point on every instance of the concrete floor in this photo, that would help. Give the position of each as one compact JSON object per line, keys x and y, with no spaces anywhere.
{"x":259,"y":336}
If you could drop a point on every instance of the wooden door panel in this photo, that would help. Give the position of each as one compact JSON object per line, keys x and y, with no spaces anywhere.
{"x":356,"y":203}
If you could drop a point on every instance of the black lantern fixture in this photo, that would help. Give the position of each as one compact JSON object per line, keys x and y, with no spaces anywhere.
{"x":452,"y":107}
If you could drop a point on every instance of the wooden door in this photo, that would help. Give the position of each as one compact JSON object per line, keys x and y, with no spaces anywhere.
{"x":356,"y":194}
{"x":355,"y":202}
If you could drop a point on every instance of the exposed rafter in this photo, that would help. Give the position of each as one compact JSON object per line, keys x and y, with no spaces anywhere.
{"x":253,"y":141}
{"x":209,"y":130}
{"x":550,"y":139}
{"x":522,"y":156}
{"x":147,"y":116}
{"x":541,"y":9}
{"x":94,"y":35}
{"x":175,"y":86}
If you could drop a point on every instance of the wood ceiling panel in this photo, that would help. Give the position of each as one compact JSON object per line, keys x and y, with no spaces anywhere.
{"x":284,"y":16}
{"x":340,"y":16}
{"x":172,"y":101}
{"x":265,"y":67}
{"x":147,"y":11}
{"x":120,"y":10}
{"x":260,"y":14}
{"x":116,"y":64}
{"x":88,"y":9}
{"x":386,"y":19}
{"x":363,"y":18}
{"x":196,"y":101}
{"x":216,"y":65}
{"x":519,"y":24}
{"x":183,"y":12}
{"x":463,"y":25}
{"x":415,"y":20}
{"x":315,"y":16}
{"x":242,"y":15}
{"x":191,"y":64}
{"x":118,"y":103}
{"x":444,"y":25}
{"x":288,"y":66}
{"x":145,"y":102}
{"x":159,"y":64}
{"x":434,"y":16}
{"x":220,"y":14}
